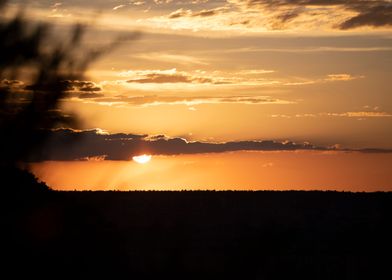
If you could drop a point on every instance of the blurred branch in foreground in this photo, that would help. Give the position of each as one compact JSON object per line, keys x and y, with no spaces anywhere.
{"x":35,"y":71}
{"x":34,"y":75}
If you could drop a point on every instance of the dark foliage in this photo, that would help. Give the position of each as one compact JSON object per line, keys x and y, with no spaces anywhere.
{"x":28,"y":49}
{"x":22,"y":182}
{"x":35,"y":71}
{"x":201,"y":235}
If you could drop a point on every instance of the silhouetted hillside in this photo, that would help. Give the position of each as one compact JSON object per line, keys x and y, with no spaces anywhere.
{"x":17,"y":181}
{"x":188,"y":235}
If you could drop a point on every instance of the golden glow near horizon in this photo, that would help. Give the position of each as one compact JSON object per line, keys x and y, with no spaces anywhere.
{"x":300,"y":170}
{"x":142,"y":159}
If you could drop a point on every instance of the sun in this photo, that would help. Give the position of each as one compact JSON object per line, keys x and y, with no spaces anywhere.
{"x":142,"y":159}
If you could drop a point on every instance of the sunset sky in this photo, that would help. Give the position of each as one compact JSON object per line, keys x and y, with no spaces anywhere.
{"x":276,"y":94}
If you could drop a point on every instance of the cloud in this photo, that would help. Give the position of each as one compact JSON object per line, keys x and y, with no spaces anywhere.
{"x":13,"y":95}
{"x":180,"y":13}
{"x":376,"y":16}
{"x":171,"y":58}
{"x":72,"y":88}
{"x":173,"y":76}
{"x":255,"y":72}
{"x":301,"y":83}
{"x":310,"y":49}
{"x":94,"y":158}
{"x":118,"y":7}
{"x":68,"y":85}
{"x":289,"y":15}
{"x":209,"y":12}
{"x":85,"y":95}
{"x":210,"y":16}
{"x":137,"y":3}
{"x":353,"y":114}
{"x":67,"y":144}
{"x":23,"y":93}
{"x":14,"y":85}
{"x":84,"y":86}
{"x":342,"y":77}
{"x":373,"y":13}
{"x":285,"y":14}
{"x":160,"y":2}
{"x":169,"y":76}
{"x":191,"y":100}
{"x":364,"y":114}
{"x":202,"y":13}
{"x":157,"y":78}
{"x":164,"y":80}
{"x":164,"y":77}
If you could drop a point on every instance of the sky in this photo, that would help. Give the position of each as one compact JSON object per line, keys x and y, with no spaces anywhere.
{"x":205,"y":80}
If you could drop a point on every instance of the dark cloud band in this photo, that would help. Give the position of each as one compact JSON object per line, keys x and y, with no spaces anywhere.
{"x":67,"y":144}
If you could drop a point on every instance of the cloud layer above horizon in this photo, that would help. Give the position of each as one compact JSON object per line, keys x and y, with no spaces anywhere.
{"x":67,"y":144}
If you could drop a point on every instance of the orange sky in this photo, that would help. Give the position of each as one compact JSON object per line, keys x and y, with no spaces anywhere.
{"x":299,"y":170}
{"x":234,"y":70}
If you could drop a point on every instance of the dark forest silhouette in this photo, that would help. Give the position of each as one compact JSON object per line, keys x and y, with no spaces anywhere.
{"x":200,"y":235}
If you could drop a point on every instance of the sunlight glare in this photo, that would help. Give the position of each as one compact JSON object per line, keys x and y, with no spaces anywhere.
{"x":142,"y":159}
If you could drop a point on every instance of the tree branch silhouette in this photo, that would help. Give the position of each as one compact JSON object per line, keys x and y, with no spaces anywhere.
{"x":34,"y":69}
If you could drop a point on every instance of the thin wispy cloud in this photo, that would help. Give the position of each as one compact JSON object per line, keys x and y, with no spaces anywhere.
{"x":202,"y":13}
{"x":350,"y":114}
{"x":118,"y":7}
{"x":191,"y":101}
{"x":172,"y":58}
{"x":307,"y":49}
{"x":177,"y":81}
{"x":363,"y":114}
{"x":342,"y":77}
{"x":174,"y":76}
